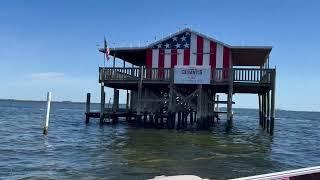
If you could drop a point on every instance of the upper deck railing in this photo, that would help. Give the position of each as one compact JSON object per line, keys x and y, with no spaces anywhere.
{"x":218,"y":75}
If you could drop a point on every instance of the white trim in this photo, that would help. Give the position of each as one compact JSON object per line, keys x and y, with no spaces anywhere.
{"x":283,"y":174}
{"x":251,"y":47}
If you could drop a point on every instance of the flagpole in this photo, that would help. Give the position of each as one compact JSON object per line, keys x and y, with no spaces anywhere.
{"x":105,"y":51}
{"x":104,"y":59}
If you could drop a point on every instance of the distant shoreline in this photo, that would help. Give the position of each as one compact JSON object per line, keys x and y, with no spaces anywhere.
{"x":20,"y":100}
{"x":75,"y":102}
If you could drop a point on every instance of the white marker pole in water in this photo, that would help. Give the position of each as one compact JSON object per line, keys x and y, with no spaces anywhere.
{"x":46,"y":125}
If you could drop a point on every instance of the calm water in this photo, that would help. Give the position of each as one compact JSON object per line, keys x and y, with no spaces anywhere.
{"x":75,"y":150}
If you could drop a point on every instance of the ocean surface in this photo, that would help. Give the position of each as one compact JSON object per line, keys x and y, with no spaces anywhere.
{"x":74,"y":150}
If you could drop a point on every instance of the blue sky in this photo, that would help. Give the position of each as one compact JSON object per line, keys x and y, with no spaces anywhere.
{"x":52,"y":45}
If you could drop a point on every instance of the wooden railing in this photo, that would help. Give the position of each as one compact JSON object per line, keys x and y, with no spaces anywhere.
{"x":252,"y":75}
{"x":219,"y":75}
{"x":165,"y":74}
{"x":119,"y":73}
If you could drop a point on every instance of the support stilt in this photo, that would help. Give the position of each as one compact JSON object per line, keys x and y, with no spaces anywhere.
{"x":161,"y":119}
{"x":199,"y":107}
{"x":145,"y":116}
{"x":173,"y":120}
{"x":156,"y":120}
{"x":139,"y":106}
{"x":179,"y":120}
{"x":128,"y":101}
{"x":115,"y":105}
{"x":268,"y":112}
{"x":191,"y":118}
{"x":88,"y":108}
{"x":263,"y":111}
{"x":230,"y":93}
{"x":102,"y":103}
{"x":260,"y":110}
{"x":273,"y":98}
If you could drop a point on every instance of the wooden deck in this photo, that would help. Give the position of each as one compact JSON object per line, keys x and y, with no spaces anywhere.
{"x":245,"y":80}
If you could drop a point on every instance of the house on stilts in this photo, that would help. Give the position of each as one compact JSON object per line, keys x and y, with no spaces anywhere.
{"x":174,"y":82}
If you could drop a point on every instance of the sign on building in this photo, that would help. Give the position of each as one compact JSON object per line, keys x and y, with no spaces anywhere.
{"x":192,"y":74}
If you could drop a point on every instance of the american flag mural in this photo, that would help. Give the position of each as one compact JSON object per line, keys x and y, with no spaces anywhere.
{"x":188,"y":48}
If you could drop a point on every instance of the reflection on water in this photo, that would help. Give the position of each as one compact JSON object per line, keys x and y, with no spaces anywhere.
{"x":74,"y":150}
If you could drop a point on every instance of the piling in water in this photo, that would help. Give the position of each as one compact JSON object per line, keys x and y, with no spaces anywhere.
{"x":88,"y":108}
{"x":46,"y":124}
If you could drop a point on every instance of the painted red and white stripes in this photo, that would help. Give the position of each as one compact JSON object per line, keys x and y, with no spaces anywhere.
{"x":202,"y":52}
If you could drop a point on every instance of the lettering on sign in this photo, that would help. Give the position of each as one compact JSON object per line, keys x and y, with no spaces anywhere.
{"x":192,"y":74}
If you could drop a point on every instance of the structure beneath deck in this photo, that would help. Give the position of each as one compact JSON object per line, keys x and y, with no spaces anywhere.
{"x":175,"y":81}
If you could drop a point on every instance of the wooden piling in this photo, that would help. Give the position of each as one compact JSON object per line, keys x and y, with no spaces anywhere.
{"x":128,"y":101}
{"x":151,"y":119}
{"x":185,"y":119}
{"x":115,"y":105}
{"x":161,"y":119}
{"x":200,"y":107}
{"x":88,"y":107}
{"x":139,"y":106}
{"x":182,"y":119}
{"x":205,"y":109}
{"x":156,"y":119}
{"x":230,"y":94}
{"x":268,"y":112}
{"x":273,"y":98}
{"x":145,"y":116}
{"x":191,"y":118}
{"x":260,"y":109}
{"x":263,"y":111}
{"x":168,"y":121}
{"x":179,"y":120}
{"x":102,"y":103}
{"x":173,"y":120}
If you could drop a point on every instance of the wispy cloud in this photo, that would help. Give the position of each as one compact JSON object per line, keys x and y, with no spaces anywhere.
{"x":47,"y":76}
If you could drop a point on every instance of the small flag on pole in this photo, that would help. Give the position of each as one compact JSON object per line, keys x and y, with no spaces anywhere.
{"x":106,"y":48}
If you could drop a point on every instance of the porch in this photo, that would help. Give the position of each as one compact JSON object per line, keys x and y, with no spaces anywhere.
{"x":245,"y":80}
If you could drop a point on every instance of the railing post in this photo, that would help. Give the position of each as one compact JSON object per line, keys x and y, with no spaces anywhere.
{"x":101,"y":70}
{"x":132,"y":71}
